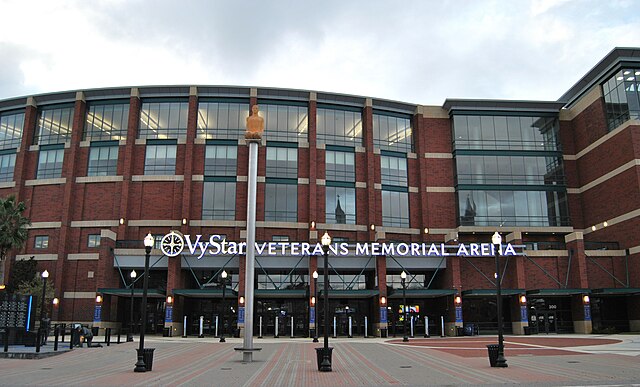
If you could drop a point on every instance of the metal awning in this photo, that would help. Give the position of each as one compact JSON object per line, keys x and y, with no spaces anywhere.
{"x":281,"y":293}
{"x":423,"y":293}
{"x":204,"y":293}
{"x":124,"y":292}
{"x":615,"y":291}
{"x":354,"y":293}
{"x":558,"y":292}
{"x":492,"y":292}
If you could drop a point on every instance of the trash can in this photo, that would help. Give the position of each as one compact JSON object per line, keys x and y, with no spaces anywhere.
{"x":493,"y":354}
{"x":320,"y":355}
{"x":527,"y":331}
{"x":147,"y":357}
{"x":94,"y":331}
{"x":166,"y":332}
{"x":460,"y":331}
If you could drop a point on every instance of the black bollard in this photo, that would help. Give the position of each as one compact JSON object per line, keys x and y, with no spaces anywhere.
{"x":6,"y":339}
{"x":107,"y":336}
{"x":38,"y":340}
{"x":56,"y":332}
{"x":118,"y":336}
{"x":64,"y":328}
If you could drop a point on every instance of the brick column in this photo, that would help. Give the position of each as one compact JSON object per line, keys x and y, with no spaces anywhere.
{"x":581,"y":311}
{"x":516,"y":277}
{"x":381,"y":317}
{"x":312,"y":199}
{"x":127,"y":170}
{"x":373,"y":212}
{"x":313,"y":266}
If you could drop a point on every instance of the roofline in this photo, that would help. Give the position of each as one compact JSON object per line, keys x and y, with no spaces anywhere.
{"x":501,"y":105}
{"x":615,"y":59}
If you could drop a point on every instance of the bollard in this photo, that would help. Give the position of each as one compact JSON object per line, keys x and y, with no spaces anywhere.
{"x":276,"y":331}
{"x":366,"y":326}
{"x":184,"y":327}
{"x":412,"y":327}
{"x":441,"y":326}
{"x":107,"y":334}
{"x":118,"y":336}
{"x":216,"y":335}
{"x":6,"y":339}
{"x":291,"y":327}
{"x":350,"y":325}
{"x":56,"y":332}
{"x":260,"y":334}
{"x":64,"y":328}
{"x":201,"y":327}
{"x":334,"y":327}
{"x":426,"y":326}
{"x":38,"y":340}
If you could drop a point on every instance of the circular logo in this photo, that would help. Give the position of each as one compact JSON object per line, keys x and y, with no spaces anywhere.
{"x":172,"y":244}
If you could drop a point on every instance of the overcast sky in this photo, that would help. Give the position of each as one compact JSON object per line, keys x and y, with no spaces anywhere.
{"x":414,"y":51}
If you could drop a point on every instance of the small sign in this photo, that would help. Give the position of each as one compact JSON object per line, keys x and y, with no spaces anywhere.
{"x":458,"y":314}
{"x":312,"y":315}
{"x":587,"y":312}
{"x":523,"y":314}
{"x":168,"y":314}
{"x":97,"y":314}
{"x":241,"y":315}
{"x":383,"y":314}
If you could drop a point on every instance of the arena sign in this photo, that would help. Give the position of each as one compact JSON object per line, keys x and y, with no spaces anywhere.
{"x":174,"y":243}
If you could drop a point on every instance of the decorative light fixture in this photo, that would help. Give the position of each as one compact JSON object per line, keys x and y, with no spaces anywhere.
{"x":241,"y":300}
{"x":45,"y":274}
{"x":55,"y":301}
{"x":523,"y":299}
{"x":98,"y":299}
{"x":585,"y":299}
{"x":457,"y":300}
{"x":121,"y":220}
{"x":313,"y":225}
{"x":593,"y":228}
{"x":313,"y":300}
{"x":169,"y":300}
{"x":605,"y":223}
{"x":383,"y":300}
{"x":184,"y":220}
{"x":373,"y":227}
{"x":426,"y":230}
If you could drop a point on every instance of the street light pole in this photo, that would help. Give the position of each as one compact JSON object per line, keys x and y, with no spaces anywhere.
{"x":325,"y":366}
{"x":403,"y":279}
{"x":496,"y":239}
{"x":133,"y":276}
{"x":315,"y":307}
{"x":148,"y":244}
{"x":224,"y":305}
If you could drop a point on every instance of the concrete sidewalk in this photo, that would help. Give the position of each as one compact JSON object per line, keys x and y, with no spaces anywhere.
{"x":548,"y":360}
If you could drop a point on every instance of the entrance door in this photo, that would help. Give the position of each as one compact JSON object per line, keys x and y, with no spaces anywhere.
{"x":546,"y":322}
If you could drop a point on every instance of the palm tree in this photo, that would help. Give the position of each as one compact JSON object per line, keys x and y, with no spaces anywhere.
{"x":13,"y":229}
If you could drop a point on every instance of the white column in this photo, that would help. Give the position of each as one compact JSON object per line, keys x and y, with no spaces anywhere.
{"x":250,"y":261}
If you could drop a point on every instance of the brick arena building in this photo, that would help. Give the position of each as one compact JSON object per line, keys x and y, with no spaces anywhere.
{"x":99,"y":169}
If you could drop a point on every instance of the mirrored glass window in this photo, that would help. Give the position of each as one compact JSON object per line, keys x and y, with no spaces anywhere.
{"x":393,"y":170}
{"x":221,"y":160}
{"x":54,"y":125}
{"x":281,"y":202}
{"x":163,"y":120}
{"x":7,"y":166}
{"x":339,"y":127}
{"x":282,"y":162}
{"x":395,"y":209}
{"x":11,"y":125}
{"x":222,"y":120}
{"x":107,"y":121}
{"x":393,"y":133}
{"x":103,"y":161}
{"x":219,"y":200}
{"x":340,"y":166}
{"x":622,"y":97}
{"x":160,"y":160}
{"x":50,"y":163}
{"x":284,"y":122}
{"x":510,"y":170}
{"x":340,"y":205}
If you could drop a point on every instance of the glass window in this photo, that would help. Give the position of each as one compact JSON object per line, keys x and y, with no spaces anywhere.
{"x":284,"y":122}
{"x":282,"y":162}
{"x":103,"y":161}
{"x":392,"y":133}
{"x":622,"y":97}
{"x":222,"y":120}
{"x":50,"y":163}
{"x":163,"y":120}
{"x":11,"y":125}
{"x":340,"y":205}
{"x":511,"y":170}
{"x":54,"y":125}
{"x":395,"y":209}
{"x":219,"y":200}
{"x":506,"y":132}
{"x":107,"y":121}
{"x":339,"y":127}
{"x":280,"y":238}
{"x":41,"y":241}
{"x":7,"y":166}
{"x":281,"y":202}
{"x":513,"y":208}
{"x":221,"y":160}
{"x":93,"y":240}
{"x":340,"y":166}
{"x":393,"y":170}
{"x":160,"y":160}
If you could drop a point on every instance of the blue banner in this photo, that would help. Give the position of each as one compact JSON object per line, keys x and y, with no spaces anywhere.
{"x":383,"y":314}
{"x":97,"y":314}
{"x":587,"y":312}
{"x":523,"y":313}
{"x":241,"y":315}
{"x":168,"y":314}
{"x":312,"y":315}
{"x":458,"y":314}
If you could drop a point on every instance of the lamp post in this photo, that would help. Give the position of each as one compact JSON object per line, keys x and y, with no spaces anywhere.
{"x":224,"y":305}
{"x":325,"y":366}
{"x":315,"y":310}
{"x":496,"y":240}
{"x":45,"y":275}
{"x":133,"y":276}
{"x":148,"y":244}
{"x":403,"y":279}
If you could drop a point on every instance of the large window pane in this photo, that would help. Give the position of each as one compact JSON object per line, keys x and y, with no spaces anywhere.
{"x":392,"y":133}
{"x":221,"y":160}
{"x":7,"y":166}
{"x":160,"y":160}
{"x":285,"y":122}
{"x":106,"y":121}
{"x":103,"y":161}
{"x":50,"y":164}
{"x":281,"y":202}
{"x":219,"y":201}
{"x":394,"y":170}
{"x":340,"y":166}
{"x":11,"y":125}
{"x":340,"y":205}
{"x":395,"y":209}
{"x":339,"y":127}
{"x":222,"y":120}
{"x":282,"y":162}
{"x":54,"y":125}
{"x":163,"y":120}
{"x":622,"y":97}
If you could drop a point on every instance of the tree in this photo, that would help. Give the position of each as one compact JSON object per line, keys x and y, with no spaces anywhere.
{"x":13,"y":229}
{"x":34,"y":288}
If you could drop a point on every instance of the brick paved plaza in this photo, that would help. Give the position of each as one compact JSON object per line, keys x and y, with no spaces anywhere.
{"x":534,"y":360}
